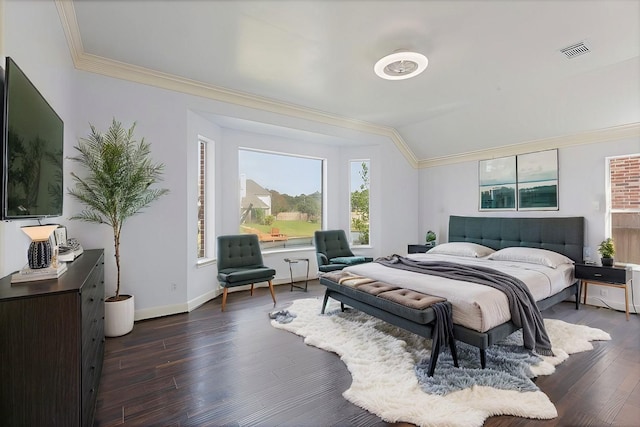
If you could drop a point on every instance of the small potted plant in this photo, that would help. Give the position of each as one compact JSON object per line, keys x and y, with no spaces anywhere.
{"x":431,"y":238}
{"x":607,"y":250}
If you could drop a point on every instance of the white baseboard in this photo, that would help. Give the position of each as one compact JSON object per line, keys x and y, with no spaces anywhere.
{"x":185,"y":307}
{"x":615,"y":305}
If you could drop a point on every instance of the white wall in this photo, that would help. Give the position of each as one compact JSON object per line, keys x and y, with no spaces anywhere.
{"x":33,"y":37}
{"x":158,"y":246}
{"x":453,"y":190}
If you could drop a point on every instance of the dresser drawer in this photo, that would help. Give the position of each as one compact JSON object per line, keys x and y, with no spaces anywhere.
{"x":602,"y":274}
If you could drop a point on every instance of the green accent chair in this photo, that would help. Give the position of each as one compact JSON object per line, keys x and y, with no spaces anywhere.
{"x":240,"y":263}
{"x":333,"y":251}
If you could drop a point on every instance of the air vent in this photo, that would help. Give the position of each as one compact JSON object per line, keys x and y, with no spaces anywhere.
{"x":575,"y":50}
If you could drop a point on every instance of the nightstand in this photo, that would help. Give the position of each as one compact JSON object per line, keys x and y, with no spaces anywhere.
{"x":615,"y":277}
{"x":420,"y":249}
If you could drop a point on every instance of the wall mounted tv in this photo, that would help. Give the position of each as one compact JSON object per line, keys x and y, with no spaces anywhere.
{"x":32,"y":150}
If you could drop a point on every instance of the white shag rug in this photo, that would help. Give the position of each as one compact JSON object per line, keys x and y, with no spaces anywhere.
{"x":381,"y":359}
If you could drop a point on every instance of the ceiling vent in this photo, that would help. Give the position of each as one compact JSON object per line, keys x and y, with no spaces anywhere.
{"x":575,"y":50}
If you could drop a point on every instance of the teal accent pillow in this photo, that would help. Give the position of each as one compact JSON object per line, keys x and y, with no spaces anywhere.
{"x":349,"y":260}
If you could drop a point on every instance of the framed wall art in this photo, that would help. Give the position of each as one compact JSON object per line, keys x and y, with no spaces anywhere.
{"x":498,"y":184}
{"x":538,"y":180}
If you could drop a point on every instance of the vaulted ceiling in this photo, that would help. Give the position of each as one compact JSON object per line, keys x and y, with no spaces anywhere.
{"x":496,"y":75}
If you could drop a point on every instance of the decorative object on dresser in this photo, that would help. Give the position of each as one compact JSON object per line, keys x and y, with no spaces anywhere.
{"x":607,"y":251}
{"x":40,"y":252}
{"x":27,"y":274}
{"x":52,"y":346}
{"x":614,"y":277}
{"x":120,"y":174}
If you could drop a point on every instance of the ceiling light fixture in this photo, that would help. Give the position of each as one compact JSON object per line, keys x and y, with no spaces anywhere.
{"x":401,"y":65}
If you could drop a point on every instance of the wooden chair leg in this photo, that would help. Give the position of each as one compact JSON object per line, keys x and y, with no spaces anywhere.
{"x":224,"y":298}
{"x":273,"y":295}
{"x":251,"y":290}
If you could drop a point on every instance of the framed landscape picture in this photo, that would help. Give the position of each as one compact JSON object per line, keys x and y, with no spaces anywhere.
{"x":538,"y":180}
{"x":498,"y":184}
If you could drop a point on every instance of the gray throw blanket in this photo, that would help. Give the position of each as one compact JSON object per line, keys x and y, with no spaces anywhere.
{"x":524,"y":311}
{"x":443,"y":330}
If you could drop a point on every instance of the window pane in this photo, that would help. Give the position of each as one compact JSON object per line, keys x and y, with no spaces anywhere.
{"x":202,"y":188}
{"x":359,"y":202}
{"x":625,"y":230}
{"x":624,"y":182}
{"x":280,"y":198}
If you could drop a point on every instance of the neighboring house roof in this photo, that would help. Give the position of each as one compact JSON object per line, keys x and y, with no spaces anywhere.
{"x":254,"y":192}
{"x":255,"y":188}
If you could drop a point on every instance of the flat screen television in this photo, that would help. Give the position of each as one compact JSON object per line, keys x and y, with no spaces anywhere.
{"x":32,"y":150}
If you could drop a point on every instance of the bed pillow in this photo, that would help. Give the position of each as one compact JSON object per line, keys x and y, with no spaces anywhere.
{"x":531,"y":256}
{"x":461,"y":249}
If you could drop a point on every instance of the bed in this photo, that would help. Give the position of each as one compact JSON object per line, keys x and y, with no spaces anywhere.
{"x":481,"y":315}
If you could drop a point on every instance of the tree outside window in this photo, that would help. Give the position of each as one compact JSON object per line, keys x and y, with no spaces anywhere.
{"x":359,"y":171}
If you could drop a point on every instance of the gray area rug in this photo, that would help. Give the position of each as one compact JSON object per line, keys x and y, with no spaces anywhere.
{"x":388,"y":366}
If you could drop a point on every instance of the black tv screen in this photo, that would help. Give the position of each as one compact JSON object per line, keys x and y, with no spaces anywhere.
{"x":32,"y":150}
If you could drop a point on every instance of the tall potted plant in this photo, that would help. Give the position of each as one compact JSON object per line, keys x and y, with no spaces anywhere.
{"x":117,"y":186}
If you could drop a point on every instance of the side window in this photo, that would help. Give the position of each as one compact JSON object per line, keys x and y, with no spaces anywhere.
{"x":623,"y":206}
{"x":280,"y":198}
{"x":206,"y":247}
{"x":359,"y":202}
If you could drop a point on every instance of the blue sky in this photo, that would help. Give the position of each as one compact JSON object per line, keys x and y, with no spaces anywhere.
{"x":288,"y":174}
{"x":285,"y":174}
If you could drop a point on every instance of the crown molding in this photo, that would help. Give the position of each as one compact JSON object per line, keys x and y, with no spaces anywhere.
{"x":120,"y":70}
{"x":110,"y":68}
{"x":614,"y":133}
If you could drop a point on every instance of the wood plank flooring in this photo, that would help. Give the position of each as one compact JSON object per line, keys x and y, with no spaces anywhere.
{"x":208,"y":368}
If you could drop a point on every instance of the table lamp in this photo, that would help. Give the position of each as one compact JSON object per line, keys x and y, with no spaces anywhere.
{"x":40,"y":252}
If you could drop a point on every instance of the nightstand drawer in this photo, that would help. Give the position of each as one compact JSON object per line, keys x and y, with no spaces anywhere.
{"x":602,"y":274}
{"x":420,"y":249}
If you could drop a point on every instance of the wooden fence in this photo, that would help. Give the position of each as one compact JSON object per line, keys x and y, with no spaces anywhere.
{"x":626,"y":236}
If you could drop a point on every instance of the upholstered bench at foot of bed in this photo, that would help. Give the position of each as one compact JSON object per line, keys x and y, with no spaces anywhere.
{"x":407,"y":309}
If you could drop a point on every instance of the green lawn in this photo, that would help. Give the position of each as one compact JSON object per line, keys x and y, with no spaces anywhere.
{"x":288,"y":228}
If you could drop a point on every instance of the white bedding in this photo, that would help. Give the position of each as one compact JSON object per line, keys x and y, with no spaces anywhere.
{"x":475,"y":306}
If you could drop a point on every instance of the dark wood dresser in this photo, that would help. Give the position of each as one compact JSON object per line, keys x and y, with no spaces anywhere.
{"x":52,"y":346}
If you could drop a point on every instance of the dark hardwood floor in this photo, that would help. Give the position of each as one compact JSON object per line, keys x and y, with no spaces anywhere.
{"x":208,"y":368}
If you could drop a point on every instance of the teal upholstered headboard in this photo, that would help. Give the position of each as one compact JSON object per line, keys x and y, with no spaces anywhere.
{"x":564,"y":235}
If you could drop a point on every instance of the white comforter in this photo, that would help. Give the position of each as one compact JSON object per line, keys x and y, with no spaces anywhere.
{"x":475,"y":306}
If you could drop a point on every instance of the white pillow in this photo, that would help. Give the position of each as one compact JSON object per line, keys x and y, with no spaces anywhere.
{"x":461,"y":249}
{"x":531,"y":256}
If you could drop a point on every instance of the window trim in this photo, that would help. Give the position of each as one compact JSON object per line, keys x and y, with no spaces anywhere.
{"x":609,"y":210}
{"x":323,"y":191}
{"x":359,"y":161}
{"x":209,"y":204}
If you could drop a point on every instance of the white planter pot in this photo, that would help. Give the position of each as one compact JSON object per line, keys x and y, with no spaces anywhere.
{"x":118,"y":317}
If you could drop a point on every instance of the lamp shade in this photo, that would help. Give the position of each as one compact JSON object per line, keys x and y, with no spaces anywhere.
{"x":38,"y":233}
